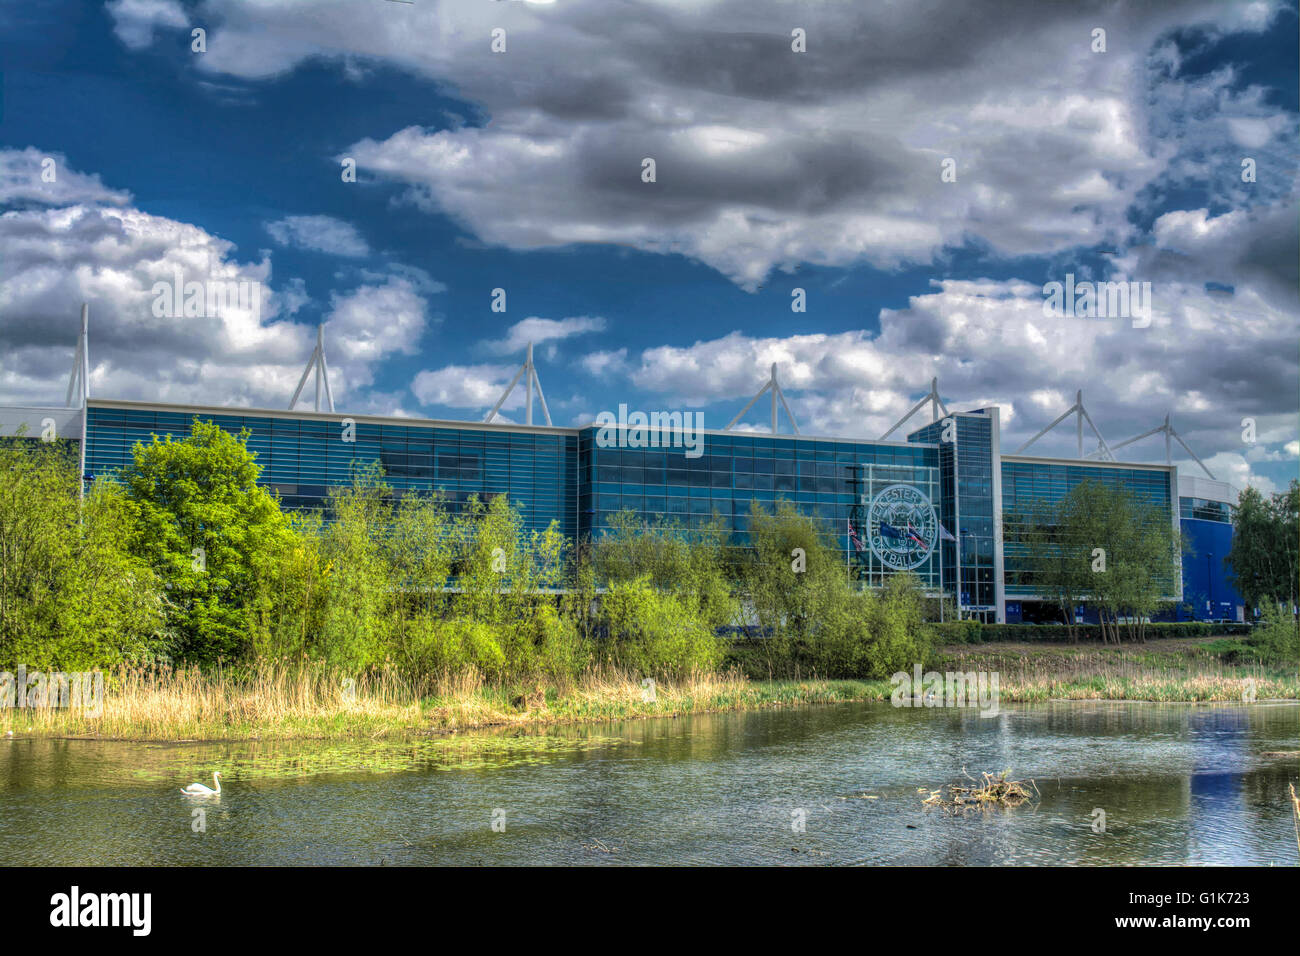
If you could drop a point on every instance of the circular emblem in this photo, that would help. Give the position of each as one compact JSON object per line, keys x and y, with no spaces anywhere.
{"x":902,"y":527}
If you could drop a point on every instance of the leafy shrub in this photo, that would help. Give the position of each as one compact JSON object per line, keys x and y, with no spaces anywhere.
{"x":899,"y":637}
{"x":1232,"y":652}
{"x":562,"y":653}
{"x":1277,"y":638}
{"x":957,"y":632}
{"x":655,"y":633}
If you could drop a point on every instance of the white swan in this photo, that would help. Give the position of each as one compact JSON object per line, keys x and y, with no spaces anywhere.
{"x":199,"y":790}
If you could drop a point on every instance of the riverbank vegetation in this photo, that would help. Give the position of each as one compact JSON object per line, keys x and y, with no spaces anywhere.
{"x":184,"y":560}
{"x":317,"y":701}
{"x":312,"y":700}
{"x":216,"y":614}
{"x":1192,"y":670}
{"x":1265,"y":555}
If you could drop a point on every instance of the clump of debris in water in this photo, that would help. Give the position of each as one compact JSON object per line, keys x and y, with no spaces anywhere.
{"x":988,"y":791}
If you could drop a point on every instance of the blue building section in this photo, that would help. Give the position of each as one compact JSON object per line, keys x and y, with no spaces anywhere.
{"x":1030,"y":484}
{"x":304,"y":454}
{"x":732,"y":473}
{"x":1208,"y":594}
{"x":967,"y":452}
{"x":936,"y":505}
{"x":1205,"y":526}
{"x":552,"y":474}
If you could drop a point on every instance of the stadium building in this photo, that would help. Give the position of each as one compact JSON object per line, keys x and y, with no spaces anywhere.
{"x":932,"y":503}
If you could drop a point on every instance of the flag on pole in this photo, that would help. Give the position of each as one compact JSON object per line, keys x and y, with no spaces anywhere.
{"x":945,"y":534}
{"x":916,"y":538}
{"x":853,"y":537}
{"x":889,"y":531}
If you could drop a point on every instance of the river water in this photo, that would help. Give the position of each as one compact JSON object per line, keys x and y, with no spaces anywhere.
{"x":838,"y":784}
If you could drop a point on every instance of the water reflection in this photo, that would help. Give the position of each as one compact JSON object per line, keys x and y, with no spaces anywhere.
{"x":1177,"y":783}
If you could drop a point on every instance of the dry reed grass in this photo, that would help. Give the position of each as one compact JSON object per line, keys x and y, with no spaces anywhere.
{"x":312,"y":700}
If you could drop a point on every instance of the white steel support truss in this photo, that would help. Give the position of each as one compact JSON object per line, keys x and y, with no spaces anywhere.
{"x":1171,"y":436}
{"x":79,"y":380}
{"x":777,"y":395}
{"x":936,"y":406}
{"x":316,"y":362}
{"x":1081,"y":416}
{"x":528,"y":372}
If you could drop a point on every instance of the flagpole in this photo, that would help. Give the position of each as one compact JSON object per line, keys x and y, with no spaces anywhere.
{"x":956,"y":502}
{"x":940,"y":523}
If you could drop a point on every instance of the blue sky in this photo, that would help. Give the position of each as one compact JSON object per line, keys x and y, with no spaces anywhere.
{"x":776,"y":170}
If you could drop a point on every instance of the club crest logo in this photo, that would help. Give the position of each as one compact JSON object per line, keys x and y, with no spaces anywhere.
{"x":902,"y":526}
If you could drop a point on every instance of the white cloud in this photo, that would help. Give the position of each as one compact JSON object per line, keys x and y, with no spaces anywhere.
{"x":1208,"y":361}
{"x":319,"y":233}
{"x":767,"y":158}
{"x":371,"y":323}
{"x":466,"y":386}
{"x":134,"y":21}
{"x":539,"y":331}
{"x":293,"y":296}
{"x":605,"y":364}
{"x":111,"y":256}
{"x":23,"y":174}
{"x":1233,"y":468}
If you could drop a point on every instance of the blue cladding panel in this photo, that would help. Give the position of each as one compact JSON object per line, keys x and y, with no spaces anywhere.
{"x":1027,"y":484}
{"x":569,"y":478}
{"x":1208,"y":593}
{"x":301,"y":459}
{"x":733,"y":471}
{"x":966,"y":470}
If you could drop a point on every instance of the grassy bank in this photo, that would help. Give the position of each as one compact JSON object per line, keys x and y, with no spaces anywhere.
{"x":1175,"y":670}
{"x":315,"y":702}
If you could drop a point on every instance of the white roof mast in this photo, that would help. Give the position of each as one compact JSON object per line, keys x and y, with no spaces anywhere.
{"x":317,"y":363}
{"x":530,"y":371}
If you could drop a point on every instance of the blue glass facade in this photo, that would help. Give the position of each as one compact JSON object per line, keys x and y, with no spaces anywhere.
{"x":302,"y":455}
{"x":823,"y":479}
{"x":1204,"y":510}
{"x":572,"y":477}
{"x":1026,"y":484}
{"x":966,"y":464}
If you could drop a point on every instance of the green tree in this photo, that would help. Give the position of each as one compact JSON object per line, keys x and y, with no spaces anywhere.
{"x":812,"y":615}
{"x":360,"y":593}
{"x":292,"y":608}
{"x":38,"y":512}
{"x":508,"y":579}
{"x":1263,"y":561}
{"x":1286,"y":518}
{"x":674,"y":559}
{"x":209,"y":533}
{"x":1131,"y":556}
{"x":1100,"y":544}
{"x":656,"y":633}
{"x":1253,"y":559}
{"x":798,"y":591}
{"x":667,"y":591}
{"x":111,"y":604}
{"x":1046,"y":557}
{"x":899,"y":637}
{"x":72,"y":596}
